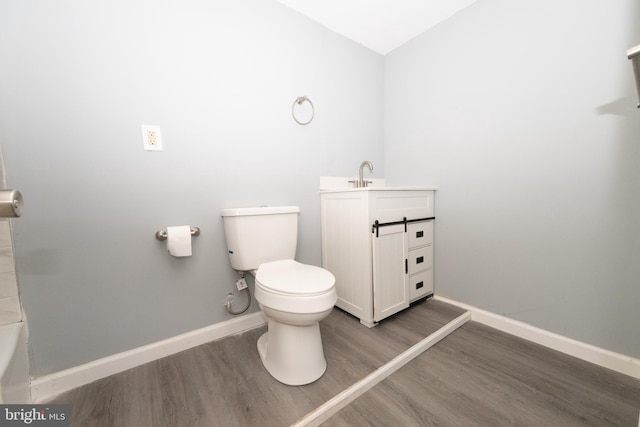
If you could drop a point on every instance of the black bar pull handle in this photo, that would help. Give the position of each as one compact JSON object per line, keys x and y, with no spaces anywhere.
{"x":406,"y":266}
{"x":377,"y":224}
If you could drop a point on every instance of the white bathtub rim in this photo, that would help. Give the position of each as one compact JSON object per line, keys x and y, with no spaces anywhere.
{"x":9,"y":335}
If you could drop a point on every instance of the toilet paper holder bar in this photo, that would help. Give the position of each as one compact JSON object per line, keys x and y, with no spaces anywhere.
{"x":162,"y":234}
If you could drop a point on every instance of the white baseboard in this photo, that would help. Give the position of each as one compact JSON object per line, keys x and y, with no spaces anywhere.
{"x":615,"y":361}
{"x":45,"y":387}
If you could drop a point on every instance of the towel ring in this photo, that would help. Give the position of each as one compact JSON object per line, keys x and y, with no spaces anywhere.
{"x":299,"y":101}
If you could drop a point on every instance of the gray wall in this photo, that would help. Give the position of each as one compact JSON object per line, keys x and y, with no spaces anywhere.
{"x":77,"y":81}
{"x":524,"y":115}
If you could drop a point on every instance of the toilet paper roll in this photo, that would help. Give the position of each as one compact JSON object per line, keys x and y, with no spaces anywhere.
{"x":179,"y":240}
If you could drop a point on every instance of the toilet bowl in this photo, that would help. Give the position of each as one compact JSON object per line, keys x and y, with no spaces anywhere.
{"x":294,"y":297}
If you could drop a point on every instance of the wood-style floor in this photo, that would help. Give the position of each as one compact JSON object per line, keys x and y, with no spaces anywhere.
{"x":476,"y":376}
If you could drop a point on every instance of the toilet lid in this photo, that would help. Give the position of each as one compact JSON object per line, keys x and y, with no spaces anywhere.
{"x":291,"y":277}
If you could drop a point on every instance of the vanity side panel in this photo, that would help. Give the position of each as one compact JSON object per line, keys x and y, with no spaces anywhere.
{"x":346,"y":250}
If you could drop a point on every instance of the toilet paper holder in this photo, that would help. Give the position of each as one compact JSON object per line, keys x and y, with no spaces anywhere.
{"x":162,"y":234}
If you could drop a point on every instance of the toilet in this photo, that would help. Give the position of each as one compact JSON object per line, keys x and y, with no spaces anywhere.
{"x":293,"y":296}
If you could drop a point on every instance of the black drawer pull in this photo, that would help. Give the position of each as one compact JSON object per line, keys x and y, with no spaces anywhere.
{"x":419,"y":260}
{"x":419,"y":285}
{"x":419,"y":234}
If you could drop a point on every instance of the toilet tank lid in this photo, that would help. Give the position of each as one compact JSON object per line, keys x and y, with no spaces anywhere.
{"x":261,"y":210}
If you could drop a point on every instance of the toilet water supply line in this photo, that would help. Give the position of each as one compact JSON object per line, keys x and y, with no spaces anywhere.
{"x":241,"y":284}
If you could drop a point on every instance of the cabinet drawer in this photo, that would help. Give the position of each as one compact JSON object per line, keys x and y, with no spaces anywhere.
{"x":420,"y":233}
{"x":420,"y":259}
{"x":421,"y":284}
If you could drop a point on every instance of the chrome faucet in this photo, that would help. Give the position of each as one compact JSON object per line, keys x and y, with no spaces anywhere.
{"x":361,"y":182}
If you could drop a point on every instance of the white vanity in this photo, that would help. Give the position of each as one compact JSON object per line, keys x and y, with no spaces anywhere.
{"x":378,"y":243}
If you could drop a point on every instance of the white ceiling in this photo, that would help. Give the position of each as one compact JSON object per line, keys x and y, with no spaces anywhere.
{"x":380,"y":25}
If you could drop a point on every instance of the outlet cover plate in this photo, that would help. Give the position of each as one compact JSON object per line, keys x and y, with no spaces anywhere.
{"x":151,"y":138}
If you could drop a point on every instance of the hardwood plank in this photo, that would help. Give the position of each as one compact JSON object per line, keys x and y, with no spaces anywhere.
{"x":475,"y":376}
{"x":224,"y":382}
{"x":478,"y":376}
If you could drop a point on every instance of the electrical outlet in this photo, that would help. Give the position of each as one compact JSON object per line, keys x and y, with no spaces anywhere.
{"x":151,"y":138}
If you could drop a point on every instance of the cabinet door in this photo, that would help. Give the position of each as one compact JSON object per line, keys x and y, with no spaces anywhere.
{"x":390,"y":278}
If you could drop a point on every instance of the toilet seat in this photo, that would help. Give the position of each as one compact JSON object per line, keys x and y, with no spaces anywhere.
{"x":289,"y":277}
{"x":290,"y":286}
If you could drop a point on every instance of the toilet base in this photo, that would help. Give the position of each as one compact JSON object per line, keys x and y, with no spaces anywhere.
{"x":292,"y":355}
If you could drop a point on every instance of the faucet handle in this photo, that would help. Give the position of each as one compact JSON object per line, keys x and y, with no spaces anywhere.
{"x":367,"y":182}
{"x":355,"y":183}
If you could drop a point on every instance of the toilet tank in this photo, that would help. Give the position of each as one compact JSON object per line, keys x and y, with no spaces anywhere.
{"x":258,"y":235}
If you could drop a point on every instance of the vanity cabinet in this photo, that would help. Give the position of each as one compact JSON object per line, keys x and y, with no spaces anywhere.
{"x":378,"y":243}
